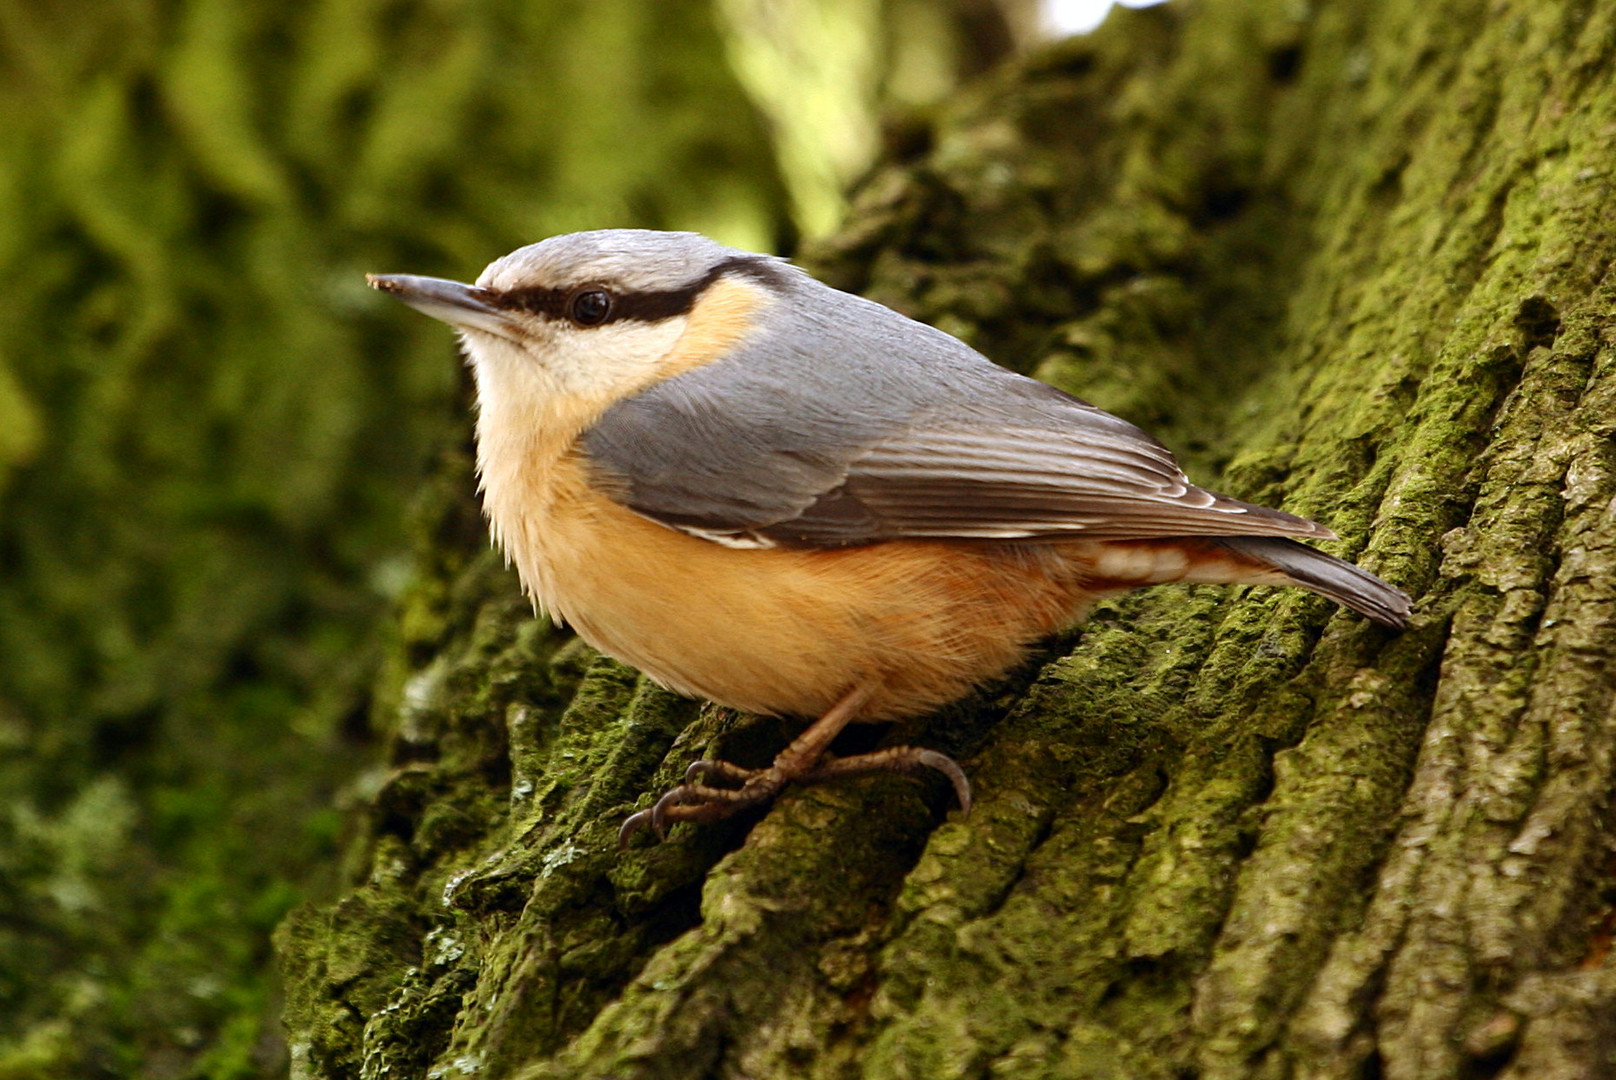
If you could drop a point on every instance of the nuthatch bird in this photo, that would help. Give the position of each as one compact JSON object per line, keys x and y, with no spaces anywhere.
{"x":787,"y":499}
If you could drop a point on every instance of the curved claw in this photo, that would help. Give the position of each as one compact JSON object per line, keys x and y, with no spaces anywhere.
{"x":631,"y":825}
{"x":949,"y":768}
{"x":672,"y":807}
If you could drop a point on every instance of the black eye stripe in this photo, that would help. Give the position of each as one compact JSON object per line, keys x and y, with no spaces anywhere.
{"x":646,"y":306}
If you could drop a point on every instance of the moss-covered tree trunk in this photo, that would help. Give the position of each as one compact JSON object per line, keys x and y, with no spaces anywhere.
{"x":1350,"y":257}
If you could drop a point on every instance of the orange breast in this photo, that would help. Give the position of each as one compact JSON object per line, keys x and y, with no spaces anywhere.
{"x":788,"y":630}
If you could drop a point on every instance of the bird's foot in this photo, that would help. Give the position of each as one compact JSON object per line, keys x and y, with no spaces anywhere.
{"x":714,"y":790}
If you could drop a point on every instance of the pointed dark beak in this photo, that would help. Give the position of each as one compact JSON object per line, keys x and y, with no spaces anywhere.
{"x":465,"y":307}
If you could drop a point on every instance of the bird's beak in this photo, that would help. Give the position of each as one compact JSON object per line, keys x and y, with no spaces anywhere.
{"x":465,"y":307}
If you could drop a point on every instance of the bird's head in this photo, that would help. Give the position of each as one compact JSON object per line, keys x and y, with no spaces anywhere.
{"x":598,"y":314}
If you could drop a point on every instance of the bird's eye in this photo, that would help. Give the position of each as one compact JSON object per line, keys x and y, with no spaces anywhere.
{"x":590,"y":307}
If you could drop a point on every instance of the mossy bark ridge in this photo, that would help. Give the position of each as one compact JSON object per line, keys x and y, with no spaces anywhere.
{"x":1349,"y":258}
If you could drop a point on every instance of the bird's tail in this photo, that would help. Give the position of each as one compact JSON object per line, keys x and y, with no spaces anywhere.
{"x":1346,"y":584}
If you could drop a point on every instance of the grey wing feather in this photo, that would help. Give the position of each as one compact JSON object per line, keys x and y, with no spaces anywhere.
{"x":855,"y":424}
{"x":1327,"y":575}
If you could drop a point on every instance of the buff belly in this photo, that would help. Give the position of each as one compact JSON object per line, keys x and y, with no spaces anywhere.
{"x":789,"y":631}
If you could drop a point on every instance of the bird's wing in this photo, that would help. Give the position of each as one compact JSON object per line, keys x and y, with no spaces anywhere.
{"x":865,"y":427}
{"x":1013,"y":481}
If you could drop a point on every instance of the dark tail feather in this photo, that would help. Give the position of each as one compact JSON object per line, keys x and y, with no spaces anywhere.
{"x":1327,"y":575}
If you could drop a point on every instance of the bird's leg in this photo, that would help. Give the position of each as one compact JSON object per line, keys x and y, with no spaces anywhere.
{"x":804,"y":761}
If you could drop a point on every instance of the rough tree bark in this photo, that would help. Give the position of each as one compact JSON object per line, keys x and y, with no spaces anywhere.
{"x":1349,"y":257}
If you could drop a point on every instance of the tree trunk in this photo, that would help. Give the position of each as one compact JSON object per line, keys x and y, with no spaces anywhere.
{"x":1352,"y":258}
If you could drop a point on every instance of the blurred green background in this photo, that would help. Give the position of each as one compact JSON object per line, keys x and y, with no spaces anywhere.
{"x":210,"y":430}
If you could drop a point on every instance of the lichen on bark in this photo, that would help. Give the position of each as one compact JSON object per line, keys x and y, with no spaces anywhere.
{"x":1354,"y":258}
